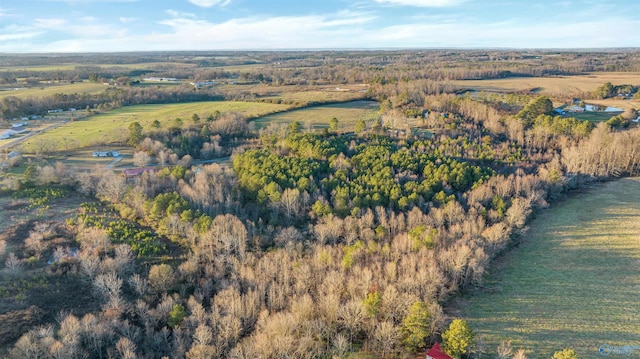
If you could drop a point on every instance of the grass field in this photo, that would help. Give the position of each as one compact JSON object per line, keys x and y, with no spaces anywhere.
{"x":572,"y":283}
{"x":112,"y":127}
{"x":347,"y":113}
{"x":591,"y":116}
{"x":552,"y":85}
{"x":311,"y":96}
{"x":50,"y":90}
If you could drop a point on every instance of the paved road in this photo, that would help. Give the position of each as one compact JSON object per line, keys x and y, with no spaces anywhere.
{"x":19,"y":140}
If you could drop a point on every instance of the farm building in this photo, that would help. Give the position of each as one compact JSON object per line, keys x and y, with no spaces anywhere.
{"x":12,"y":154}
{"x":436,"y":353}
{"x":200,"y":84}
{"x":161,"y":79}
{"x":55,"y":111}
{"x":4,"y":135}
{"x":106,"y":153}
{"x":135,"y":172}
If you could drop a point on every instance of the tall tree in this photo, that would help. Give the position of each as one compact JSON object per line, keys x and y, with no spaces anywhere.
{"x":135,"y":133}
{"x":415,"y":326}
{"x":457,"y":338}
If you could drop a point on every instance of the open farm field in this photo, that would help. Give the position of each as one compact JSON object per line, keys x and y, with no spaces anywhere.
{"x":571,"y":283}
{"x":347,"y":113}
{"x":50,"y":90}
{"x":591,"y":116}
{"x":623,"y":104}
{"x":562,"y":85}
{"x":317,"y":96}
{"x":299,"y":94}
{"x":73,"y":66}
{"x":242,"y":68}
{"x":112,"y":127}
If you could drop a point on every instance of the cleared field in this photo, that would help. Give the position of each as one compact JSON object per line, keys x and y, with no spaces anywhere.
{"x":591,"y":116}
{"x":73,"y":66}
{"x":50,"y":90}
{"x":552,"y":85}
{"x":112,"y":127}
{"x":572,"y":283}
{"x":347,"y":113}
{"x":624,"y":104}
{"x":330,"y":95}
{"x":241,"y":68}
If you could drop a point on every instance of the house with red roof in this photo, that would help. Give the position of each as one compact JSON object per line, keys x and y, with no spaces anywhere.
{"x":436,"y":353}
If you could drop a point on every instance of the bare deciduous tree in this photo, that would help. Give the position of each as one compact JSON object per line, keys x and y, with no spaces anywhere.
{"x":111,"y":186}
{"x":126,"y":348}
{"x":138,"y":283}
{"x":13,"y":264}
{"x":505,"y":350}
{"x":161,"y":278}
{"x":520,"y":354}
{"x":141,"y":159}
{"x":124,"y":259}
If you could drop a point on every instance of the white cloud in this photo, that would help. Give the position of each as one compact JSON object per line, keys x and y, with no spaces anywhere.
{"x":345,"y":29}
{"x":126,"y":20}
{"x":14,"y":33}
{"x":50,"y":23}
{"x":174,"y":13}
{"x":513,"y":34}
{"x":210,"y":3}
{"x":313,"y":31}
{"x":421,"y":3}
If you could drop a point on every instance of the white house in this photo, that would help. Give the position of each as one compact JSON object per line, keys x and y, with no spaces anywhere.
{"x":106,"y":154}
{"x":5,"y":135}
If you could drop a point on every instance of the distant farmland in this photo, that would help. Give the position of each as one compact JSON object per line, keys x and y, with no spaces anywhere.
{"x":573,"y":281}
{"x":552,"y":85}
{"x":347,"y":113}
{"x":50,"y":90}
{"x":113,"y":126}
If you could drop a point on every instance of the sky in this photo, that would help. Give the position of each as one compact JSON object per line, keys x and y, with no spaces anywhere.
{"x":40,"y":26}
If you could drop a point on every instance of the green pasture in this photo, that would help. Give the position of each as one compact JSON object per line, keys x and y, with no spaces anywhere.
{"x":112,"y":127}
{"x":347,"y":113}
{"x":573,"y":281}
{"x":591,"y":116}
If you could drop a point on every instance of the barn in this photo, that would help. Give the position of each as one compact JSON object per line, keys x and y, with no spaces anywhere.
{"x":436,"y":353}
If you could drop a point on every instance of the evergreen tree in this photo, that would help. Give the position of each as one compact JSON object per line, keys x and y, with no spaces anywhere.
{"x":415,"y":326}
{"x":135,"y":133}
{"x":457,"y":338}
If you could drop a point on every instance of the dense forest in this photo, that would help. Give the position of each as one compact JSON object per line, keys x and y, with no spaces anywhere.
{"x":311,"y":244}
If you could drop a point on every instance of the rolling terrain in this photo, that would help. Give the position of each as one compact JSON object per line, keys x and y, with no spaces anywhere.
{"x":572,"y":281}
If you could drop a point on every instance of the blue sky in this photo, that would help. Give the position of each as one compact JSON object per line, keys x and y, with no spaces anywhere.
{"x":137,"y":25}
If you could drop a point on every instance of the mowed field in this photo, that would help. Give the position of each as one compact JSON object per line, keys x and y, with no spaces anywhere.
{"x":552,"y":85}
{"x":572,"y":283}
{"x":112,"y":127}
{"x":347,"y":113}
{"x":327,"y":95}
{"x":50,"y":90}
